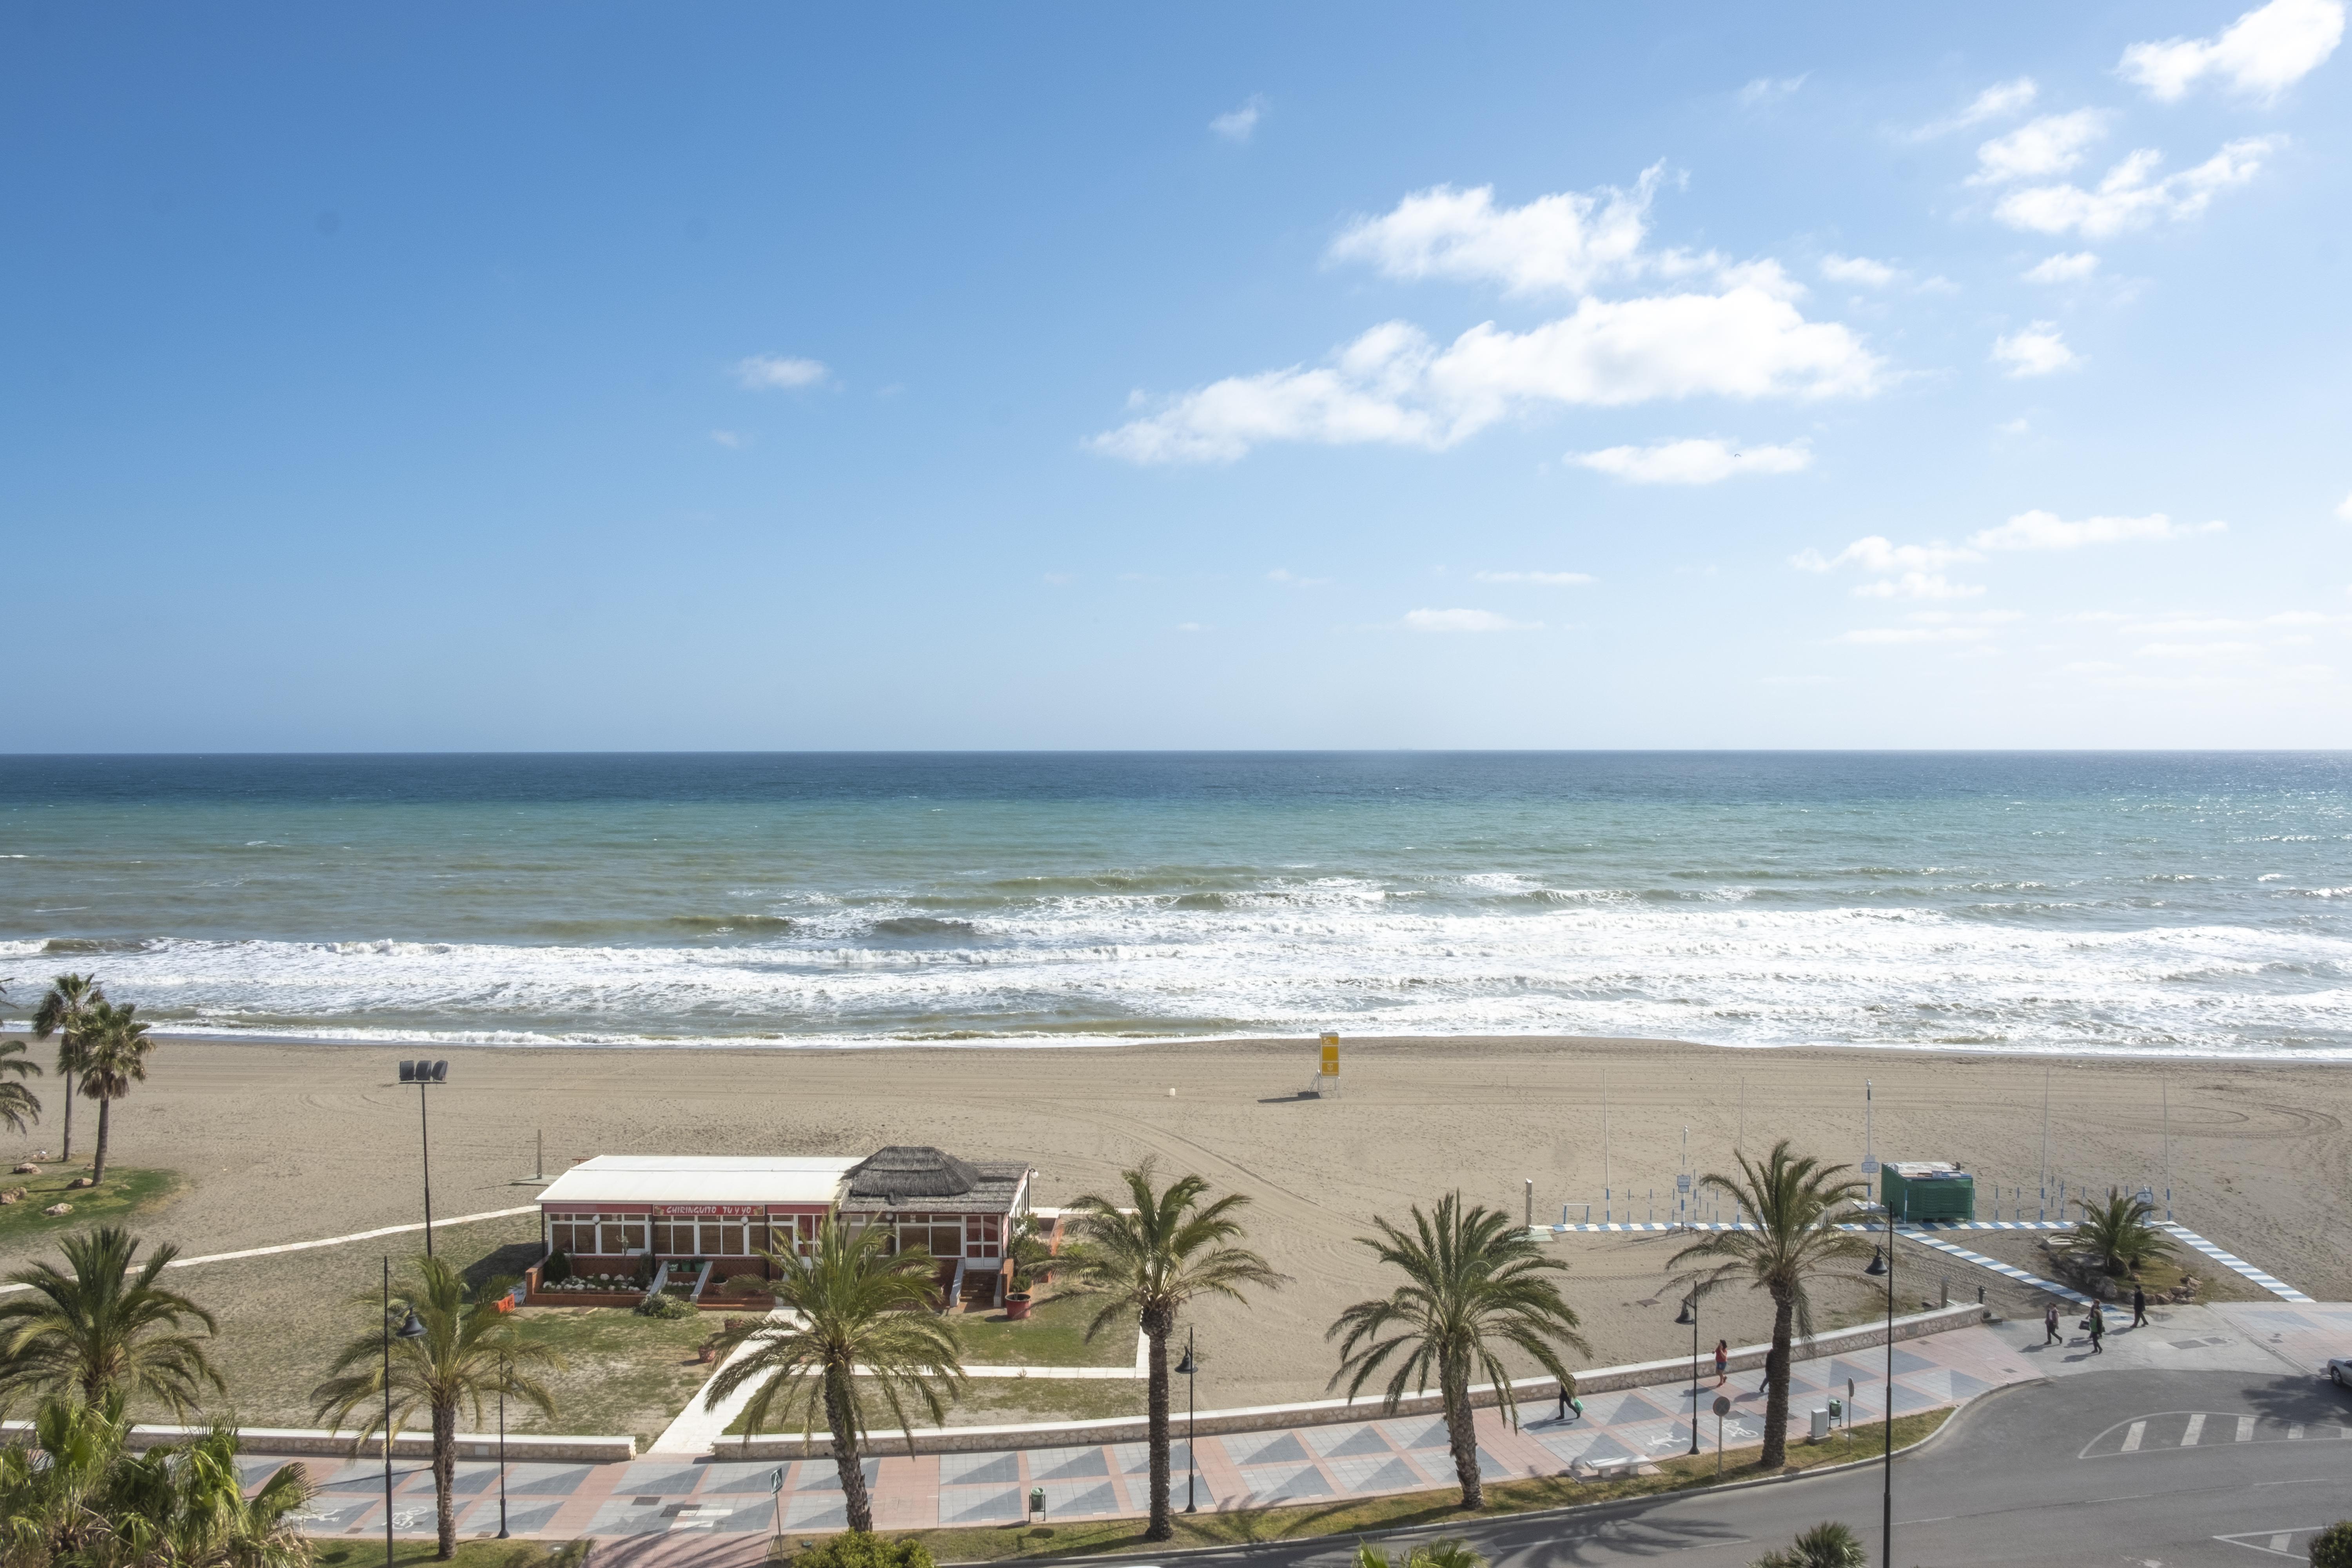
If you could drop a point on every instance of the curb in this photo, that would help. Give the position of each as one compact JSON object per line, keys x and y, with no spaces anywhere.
{"x":1959,"y":1413}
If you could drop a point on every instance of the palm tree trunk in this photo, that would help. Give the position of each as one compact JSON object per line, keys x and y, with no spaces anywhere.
{"x":1157,"y":1326}
{"x":445,"y":1459}
{"x":1461,"y":1432}
{"x":98,"y":1171}
{"x":1776,"y":1384}
{"x":846,"y":1461}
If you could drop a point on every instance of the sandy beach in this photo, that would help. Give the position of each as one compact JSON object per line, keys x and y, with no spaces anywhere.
{"x":282,"y":1143}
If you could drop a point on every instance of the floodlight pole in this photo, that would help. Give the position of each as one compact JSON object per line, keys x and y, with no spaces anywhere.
{"x":425,"y":1134}
{"x":1191,"y":1431}
{"x":505,"y":1375}
{"x":1887,"y":1488}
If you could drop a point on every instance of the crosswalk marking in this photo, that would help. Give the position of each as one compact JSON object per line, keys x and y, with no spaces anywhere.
{"x":2196,"y":1430}
{"x":2132,"y":1437}
{"x":2245,"y":1430}
{"x":2278,"y":1542}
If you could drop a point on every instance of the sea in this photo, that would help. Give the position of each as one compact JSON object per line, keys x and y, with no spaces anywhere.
{"x":2183,"y":904}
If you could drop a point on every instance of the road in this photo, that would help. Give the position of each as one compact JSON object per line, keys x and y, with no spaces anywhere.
{"x":2139,"y":1469}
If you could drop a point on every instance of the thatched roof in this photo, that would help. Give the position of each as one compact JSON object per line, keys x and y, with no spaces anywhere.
{"x":906,"y":1171}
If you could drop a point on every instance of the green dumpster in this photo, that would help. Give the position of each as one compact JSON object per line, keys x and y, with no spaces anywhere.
{"x":1927,"y":1189}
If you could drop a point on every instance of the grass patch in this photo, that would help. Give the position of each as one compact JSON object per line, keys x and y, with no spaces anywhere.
{"x":628,"y":1374}
{"x":1054,"y":1335}
{"x":343,"y":1552}
{"x":127,"y":1192}
{"x":1367,"y":1515}
{"x":1005,"y":1401}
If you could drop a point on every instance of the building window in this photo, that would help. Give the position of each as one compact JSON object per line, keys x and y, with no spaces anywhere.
{"x":619,"y":1233}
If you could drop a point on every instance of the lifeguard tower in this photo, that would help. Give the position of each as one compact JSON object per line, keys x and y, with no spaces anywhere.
{"x":1325,"y":1084}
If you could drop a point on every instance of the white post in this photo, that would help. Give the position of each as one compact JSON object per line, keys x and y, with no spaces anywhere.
{"x":1606,"y":1215}
{"x":2044,"y":1211}
{"x":2166,"y":1087}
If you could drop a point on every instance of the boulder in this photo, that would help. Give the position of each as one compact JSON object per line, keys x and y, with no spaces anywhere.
{"x":27,"y":1169}
{"x":82,"y":1181}
{"x":54,"y":1210}
{"x":8,"y":1197}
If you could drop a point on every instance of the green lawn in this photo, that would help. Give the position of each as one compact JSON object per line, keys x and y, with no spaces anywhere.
{"x":1009,"y":1401}
{"x":1368,"y":1515}
{"x":127,"y":1193}
{"x":1054,"y":1335}
{"x":628,"y":1374}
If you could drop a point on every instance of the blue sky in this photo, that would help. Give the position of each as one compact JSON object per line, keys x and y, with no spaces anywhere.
{"x":736,"y":376}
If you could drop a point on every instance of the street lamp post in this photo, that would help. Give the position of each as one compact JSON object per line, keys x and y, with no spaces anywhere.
{"x":410,"y":1328}
{"x":505,"y":1375}
{"x":1883,"y":1262}
{"x":425,"y":1075}
{"x":1690,"y":1316}
{"x":1188,"y":1366}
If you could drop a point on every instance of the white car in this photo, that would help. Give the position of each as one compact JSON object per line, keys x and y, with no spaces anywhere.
{"x":2339,"y":1371}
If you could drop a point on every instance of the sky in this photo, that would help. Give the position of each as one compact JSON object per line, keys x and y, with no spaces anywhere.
{"x":588,"y":377}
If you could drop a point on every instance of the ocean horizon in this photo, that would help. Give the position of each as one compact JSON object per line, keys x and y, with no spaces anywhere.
{"x":2186,"y":904}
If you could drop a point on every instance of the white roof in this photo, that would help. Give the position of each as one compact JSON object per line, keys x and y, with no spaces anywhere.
{"x":700,"y":1179}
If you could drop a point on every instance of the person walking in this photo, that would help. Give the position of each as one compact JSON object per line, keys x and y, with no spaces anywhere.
{"x":2139,"y":1306}
{"x":1568,"y":1402}
{"x":2098,"y":1330}
{"x":1722,"y":1361}
{"x":2049,"y":1334}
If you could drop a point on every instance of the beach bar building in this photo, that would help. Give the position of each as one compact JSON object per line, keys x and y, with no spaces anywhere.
{"x":619,"y":1213}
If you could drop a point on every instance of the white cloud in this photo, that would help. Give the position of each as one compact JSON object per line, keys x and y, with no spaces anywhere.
{"x":1918,"y":585}
{"x":1998,"y":101}
{"x":1465,"y":621}
{"x":1878,"y":554}
{"x":1539,"y":579}
{"x":765,"y":373}
{"x":1562,"y":243}
{"x":2050,"y":145}
{"x":1239,"y":125}
{"x":2047,"y":531}
{"x":1284,"y":575}
{"x":1859,"y":269}
{"x":2261,"y":54}
{"x":1695,"y":461}
{"x":731,"y":439}
{"x":2198,"y":650}
{"x":2344,"y":509}
{"x":1916,"y":634}
{"x":1394,"y":386}
{"x":2037,"y":350}
{"x":1767,"y":89}
{"x":2066,"y":267}
{"x":2130,"y":197}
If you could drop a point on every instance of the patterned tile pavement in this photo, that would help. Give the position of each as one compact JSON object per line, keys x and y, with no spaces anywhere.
{"x":663,"y":1496}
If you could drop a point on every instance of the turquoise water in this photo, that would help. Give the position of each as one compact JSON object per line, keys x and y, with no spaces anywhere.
{"x":2192,"y":903}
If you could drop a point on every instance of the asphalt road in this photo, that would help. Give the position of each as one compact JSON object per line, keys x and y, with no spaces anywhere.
{"x":2149,"y":1469}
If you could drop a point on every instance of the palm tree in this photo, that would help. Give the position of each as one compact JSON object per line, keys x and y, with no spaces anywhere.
{"x":2118,"y":1233}
{"x":469,"y":1351}
{"x":1827,"y":1544}
{"x":1474,"y":1281}
{"x":102,"y":1329}
{"x":1151,"y":1259}
{"x":861,"y":1319}
{"x":61,"y":1013}
{"x":114,"y":1050}
{"x":18,"y":1104}
{"x":76,"y":1494}
{"x":1793,"y":1202}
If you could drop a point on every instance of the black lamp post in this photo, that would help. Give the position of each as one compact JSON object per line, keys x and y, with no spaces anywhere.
{"x":1690,"y":1316}
{"x":1882,"y":1261}
{"x":1188,"y":1366}
{"x":505,"y":1373}
{"x":425,"y":1075}
{"x":410,"y":1328}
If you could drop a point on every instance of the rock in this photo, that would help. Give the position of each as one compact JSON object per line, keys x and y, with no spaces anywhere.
{"x":54,"y":1210}
{"x":7,"y":1197}
{"x":27,"y":1169}
{"x":82,"y":1181}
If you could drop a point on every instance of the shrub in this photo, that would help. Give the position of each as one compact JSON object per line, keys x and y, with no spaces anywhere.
{"x":1827,"y":1544}
{"x":2332,"y":1547}
{"x":862,"y":1549}
{"x":557,"y":1267}
{"x":665,"y":1307}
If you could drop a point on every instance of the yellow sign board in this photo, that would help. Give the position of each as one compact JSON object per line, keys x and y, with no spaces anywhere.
{"x":1331,"y":1056}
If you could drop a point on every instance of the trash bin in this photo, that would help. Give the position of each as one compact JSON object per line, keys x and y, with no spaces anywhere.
{"x":1821,"y":1426}
{"x":1036,"y":1502}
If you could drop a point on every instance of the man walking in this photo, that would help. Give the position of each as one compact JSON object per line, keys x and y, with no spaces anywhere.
{"x":2049,"y":1334}
{"x":2140,"y":1305}
{"x":2098,"y":1330}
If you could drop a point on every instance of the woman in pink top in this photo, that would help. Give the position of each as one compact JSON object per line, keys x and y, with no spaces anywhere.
{"x":1722,"y":1361}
